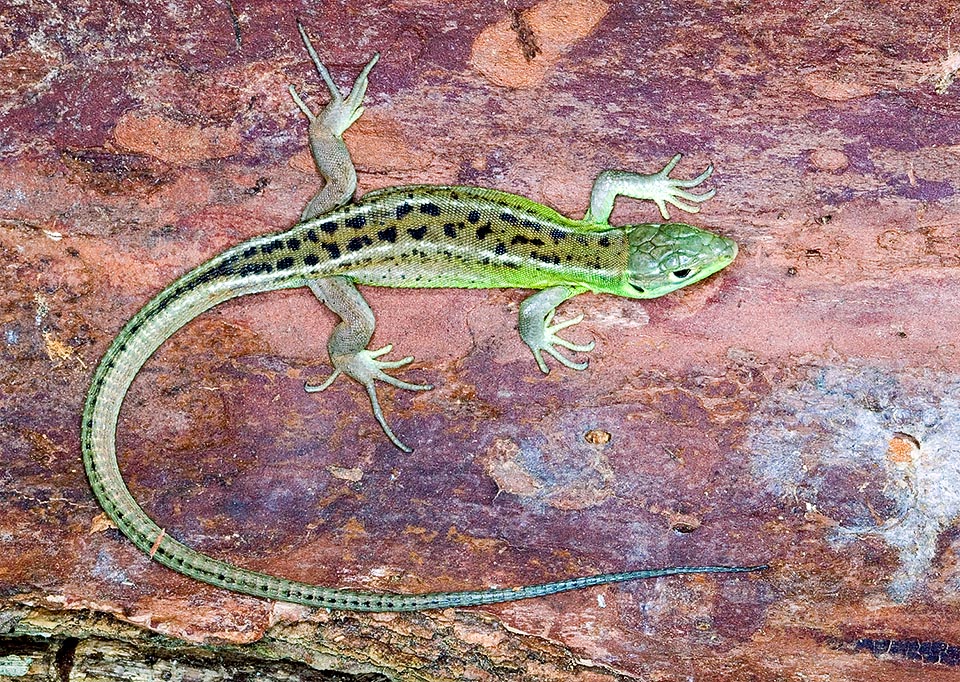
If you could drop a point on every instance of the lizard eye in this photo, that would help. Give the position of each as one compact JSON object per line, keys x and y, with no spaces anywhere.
{"x":677,"y":275}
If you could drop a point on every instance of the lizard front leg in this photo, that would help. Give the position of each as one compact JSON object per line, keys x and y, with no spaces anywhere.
{"x":658,"y":187}
{"x":536,"y":313}
{"x":347,"y":346}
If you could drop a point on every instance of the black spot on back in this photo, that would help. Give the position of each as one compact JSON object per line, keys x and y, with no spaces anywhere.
{"x":332,"y":249}
{"x":484,"y":231}
{"x":312,"y":235}
{"x":430,"y":209}
{"x":418,"y":232}
{"x":509,"y":218}
{"x":604,"y":241}
{"x":403,"y":210}
{"x":358,"y":243}
{"x":285,"y":263}
{"x":311,"y":259}
{"x":500,"y":249}
{"x":388,"y":235}
{"x":523,"y":239}
{"x":474,"y":216}
{"x":328,"y":227}
{"x":556,"y":234}
{"x":293,"y":243}
{"x":223,"y":269}
{"x":450,"y":230}
{"x":254,"y":268}
{"x":270,"y":247}
{"x":356,"y":222}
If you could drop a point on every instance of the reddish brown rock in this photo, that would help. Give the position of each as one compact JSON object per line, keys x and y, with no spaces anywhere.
{"x":799,"y":409}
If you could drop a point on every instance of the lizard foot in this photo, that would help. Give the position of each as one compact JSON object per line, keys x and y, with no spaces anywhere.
{"x":340,"y":112}
{"x":364,"y":367}
{"x":544,"y":339}
{"x":658,"y":187}
{"x":666,"y":190}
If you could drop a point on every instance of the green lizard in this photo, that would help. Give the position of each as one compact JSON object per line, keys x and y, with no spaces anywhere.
{"x":417,"y":236}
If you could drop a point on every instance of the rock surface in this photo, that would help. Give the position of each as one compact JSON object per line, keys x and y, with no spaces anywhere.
{"x":802,"y":408}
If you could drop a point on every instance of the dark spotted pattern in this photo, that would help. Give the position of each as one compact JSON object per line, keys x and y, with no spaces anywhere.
{"x":254,"y":268}
{"x":357,"y":243}
{"x":270,"y":247}
{"x":523,"y":239}
{"x":423,"y":237}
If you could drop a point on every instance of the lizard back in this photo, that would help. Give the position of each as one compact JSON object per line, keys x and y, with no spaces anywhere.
{"x":439,"y":236}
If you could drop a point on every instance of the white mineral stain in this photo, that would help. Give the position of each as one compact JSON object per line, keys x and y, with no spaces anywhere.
{"x":899,"y":432}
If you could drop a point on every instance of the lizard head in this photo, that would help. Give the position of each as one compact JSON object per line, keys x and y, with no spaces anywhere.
{"x":666,"y":257}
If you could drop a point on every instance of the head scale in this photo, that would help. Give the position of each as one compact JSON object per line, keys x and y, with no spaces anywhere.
{"x":666,"y":257}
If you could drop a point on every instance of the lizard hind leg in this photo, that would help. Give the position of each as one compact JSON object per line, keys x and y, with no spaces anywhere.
{"x":341,"y":112}
{"x":326,"y":135}
{"x":348,"y":347}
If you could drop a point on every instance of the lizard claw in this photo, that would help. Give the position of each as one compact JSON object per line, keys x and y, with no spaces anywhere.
{"x":657,"y":187}
{"x":547,"y":340}
{"x":665,"y":190}
{"x":364,"y":367}
{"x":341,"y":112}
